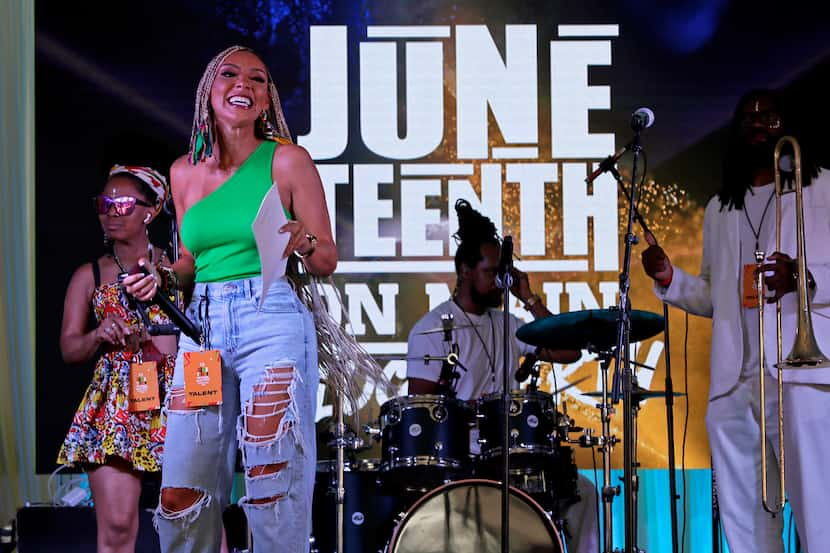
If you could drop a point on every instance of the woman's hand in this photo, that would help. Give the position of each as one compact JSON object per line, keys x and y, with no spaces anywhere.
{"x":113,"y":330}
{"x":142,"y":287}
{"x":299,"y":241}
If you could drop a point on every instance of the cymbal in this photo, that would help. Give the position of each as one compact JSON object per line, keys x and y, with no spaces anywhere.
{"x":570,"y":385}
{"x":451,"y":327}
{"x":639,"y":394}
{"x":596,"y":328}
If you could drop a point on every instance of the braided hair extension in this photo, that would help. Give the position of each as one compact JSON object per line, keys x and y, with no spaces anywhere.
{"x":203,"y":133}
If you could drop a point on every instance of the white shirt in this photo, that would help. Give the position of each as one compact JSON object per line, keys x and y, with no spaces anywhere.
{"x":480,"y":349}
{"x":755,"y":201}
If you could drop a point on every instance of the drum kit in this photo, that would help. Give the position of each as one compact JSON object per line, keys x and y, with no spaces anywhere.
{"x":437,"y":490}
{"x":435,"y":487}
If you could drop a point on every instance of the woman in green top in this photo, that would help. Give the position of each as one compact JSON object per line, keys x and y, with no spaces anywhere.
{"x":268,"y":353}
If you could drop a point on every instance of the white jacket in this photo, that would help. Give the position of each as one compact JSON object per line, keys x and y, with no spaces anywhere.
{"x":716,"y":291}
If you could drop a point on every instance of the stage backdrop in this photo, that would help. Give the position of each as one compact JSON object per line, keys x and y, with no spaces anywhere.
{"x":406,"y":107}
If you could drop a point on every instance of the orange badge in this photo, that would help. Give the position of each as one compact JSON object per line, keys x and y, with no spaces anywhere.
{"x":144,"y":387}
{"x":203,"y":378}
{"x":749,"y":293}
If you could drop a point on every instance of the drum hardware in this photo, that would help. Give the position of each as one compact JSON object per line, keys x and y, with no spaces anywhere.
{"x":340,"y":445}
{"x":669,"y":386}
{"x":623,"y":326}
{"x":504,"y":280}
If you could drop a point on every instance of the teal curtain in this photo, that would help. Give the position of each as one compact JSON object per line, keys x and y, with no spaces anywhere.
{"x":654,"y":511}
{"x":18,"y":482}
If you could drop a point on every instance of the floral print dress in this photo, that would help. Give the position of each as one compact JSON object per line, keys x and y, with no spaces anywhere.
{"x":103,"y":426}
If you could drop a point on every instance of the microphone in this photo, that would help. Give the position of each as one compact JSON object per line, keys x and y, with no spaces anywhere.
{"x":505,"y":261}
{"x":187,"y":326}
{"x":447,"y":326}
{"x":642,"y":118}
{"x":448,"y":374}
{"x":608,"y":163}
{"x":527,"y":366}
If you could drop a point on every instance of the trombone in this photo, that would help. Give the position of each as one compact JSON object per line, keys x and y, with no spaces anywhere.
{"x":805,"y":353}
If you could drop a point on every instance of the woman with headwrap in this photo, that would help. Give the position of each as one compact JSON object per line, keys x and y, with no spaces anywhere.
{"x":117,"y":433}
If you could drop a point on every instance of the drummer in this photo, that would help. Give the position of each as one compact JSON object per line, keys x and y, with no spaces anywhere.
{"x":479,"y":325}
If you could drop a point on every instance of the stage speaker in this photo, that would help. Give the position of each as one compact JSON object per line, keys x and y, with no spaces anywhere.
{"x":50,"y":529}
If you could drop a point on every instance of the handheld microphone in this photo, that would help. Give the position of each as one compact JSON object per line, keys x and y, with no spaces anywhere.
{"x":187,"y":326}
{"x":505,"y":262}
{"x":526,"y":368}
{"x":642,"y":118}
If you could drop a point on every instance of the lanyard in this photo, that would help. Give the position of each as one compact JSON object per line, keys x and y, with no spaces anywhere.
{"x":757,"y":233}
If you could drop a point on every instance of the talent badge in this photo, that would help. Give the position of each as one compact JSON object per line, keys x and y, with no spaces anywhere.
{"x":203,"y":378}
{"x":750,"y":288}
{"x":144,"y":387}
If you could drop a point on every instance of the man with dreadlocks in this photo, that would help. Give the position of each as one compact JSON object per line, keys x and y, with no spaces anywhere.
{"x":738,"y":222}
{"x":474,"y":305}
{"x":267,"y":353}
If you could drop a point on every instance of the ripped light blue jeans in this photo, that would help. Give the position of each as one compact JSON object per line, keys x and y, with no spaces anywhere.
{"x":269,"y":386}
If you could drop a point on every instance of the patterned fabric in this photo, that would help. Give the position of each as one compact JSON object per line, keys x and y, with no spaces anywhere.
{"x":150,"y":176}
{"x":103,"y":425}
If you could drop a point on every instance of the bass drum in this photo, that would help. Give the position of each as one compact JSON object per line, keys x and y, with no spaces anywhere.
{"x":465,"y":517}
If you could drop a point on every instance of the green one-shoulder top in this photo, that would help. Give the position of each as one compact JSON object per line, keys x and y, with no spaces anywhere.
{"x":217,"y":229}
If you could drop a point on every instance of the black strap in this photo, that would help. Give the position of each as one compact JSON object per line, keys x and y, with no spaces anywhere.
{"x":96,"y":273}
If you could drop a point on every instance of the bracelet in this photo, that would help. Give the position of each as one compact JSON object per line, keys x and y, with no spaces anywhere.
{"x":531,"y":301}
{"x":313,"y":240}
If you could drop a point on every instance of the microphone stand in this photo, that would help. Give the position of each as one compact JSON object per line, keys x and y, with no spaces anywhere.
{"x":622,"y":372}
{"x":448,"y":375}
{"x":669,"y":387}
{"x":505,"y":280}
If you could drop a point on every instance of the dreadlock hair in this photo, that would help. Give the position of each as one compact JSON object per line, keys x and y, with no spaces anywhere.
{"x":737,"y":164}
{"x":474,"y":230}
{"x":203,"y":134}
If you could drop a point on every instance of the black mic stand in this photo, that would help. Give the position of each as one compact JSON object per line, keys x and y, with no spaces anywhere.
{"x":505,"y":280}
{"x":669,"y":387}
{"x":622,"y":372}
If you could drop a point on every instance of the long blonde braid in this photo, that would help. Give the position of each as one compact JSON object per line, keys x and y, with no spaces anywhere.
{"x":203,"y":133}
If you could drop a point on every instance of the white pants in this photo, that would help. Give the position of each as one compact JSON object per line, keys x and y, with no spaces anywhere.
{"x":807,"y":441}
{"x":581,"y":518}
{"x":732,"y":421}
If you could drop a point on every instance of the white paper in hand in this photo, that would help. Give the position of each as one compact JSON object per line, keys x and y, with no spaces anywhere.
{"x":270,"y":242}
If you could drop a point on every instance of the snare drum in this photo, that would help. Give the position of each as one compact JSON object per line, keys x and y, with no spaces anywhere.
{"x":368,"y":513}
{"x":465,"y":517}
{"x":425,"y":441}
